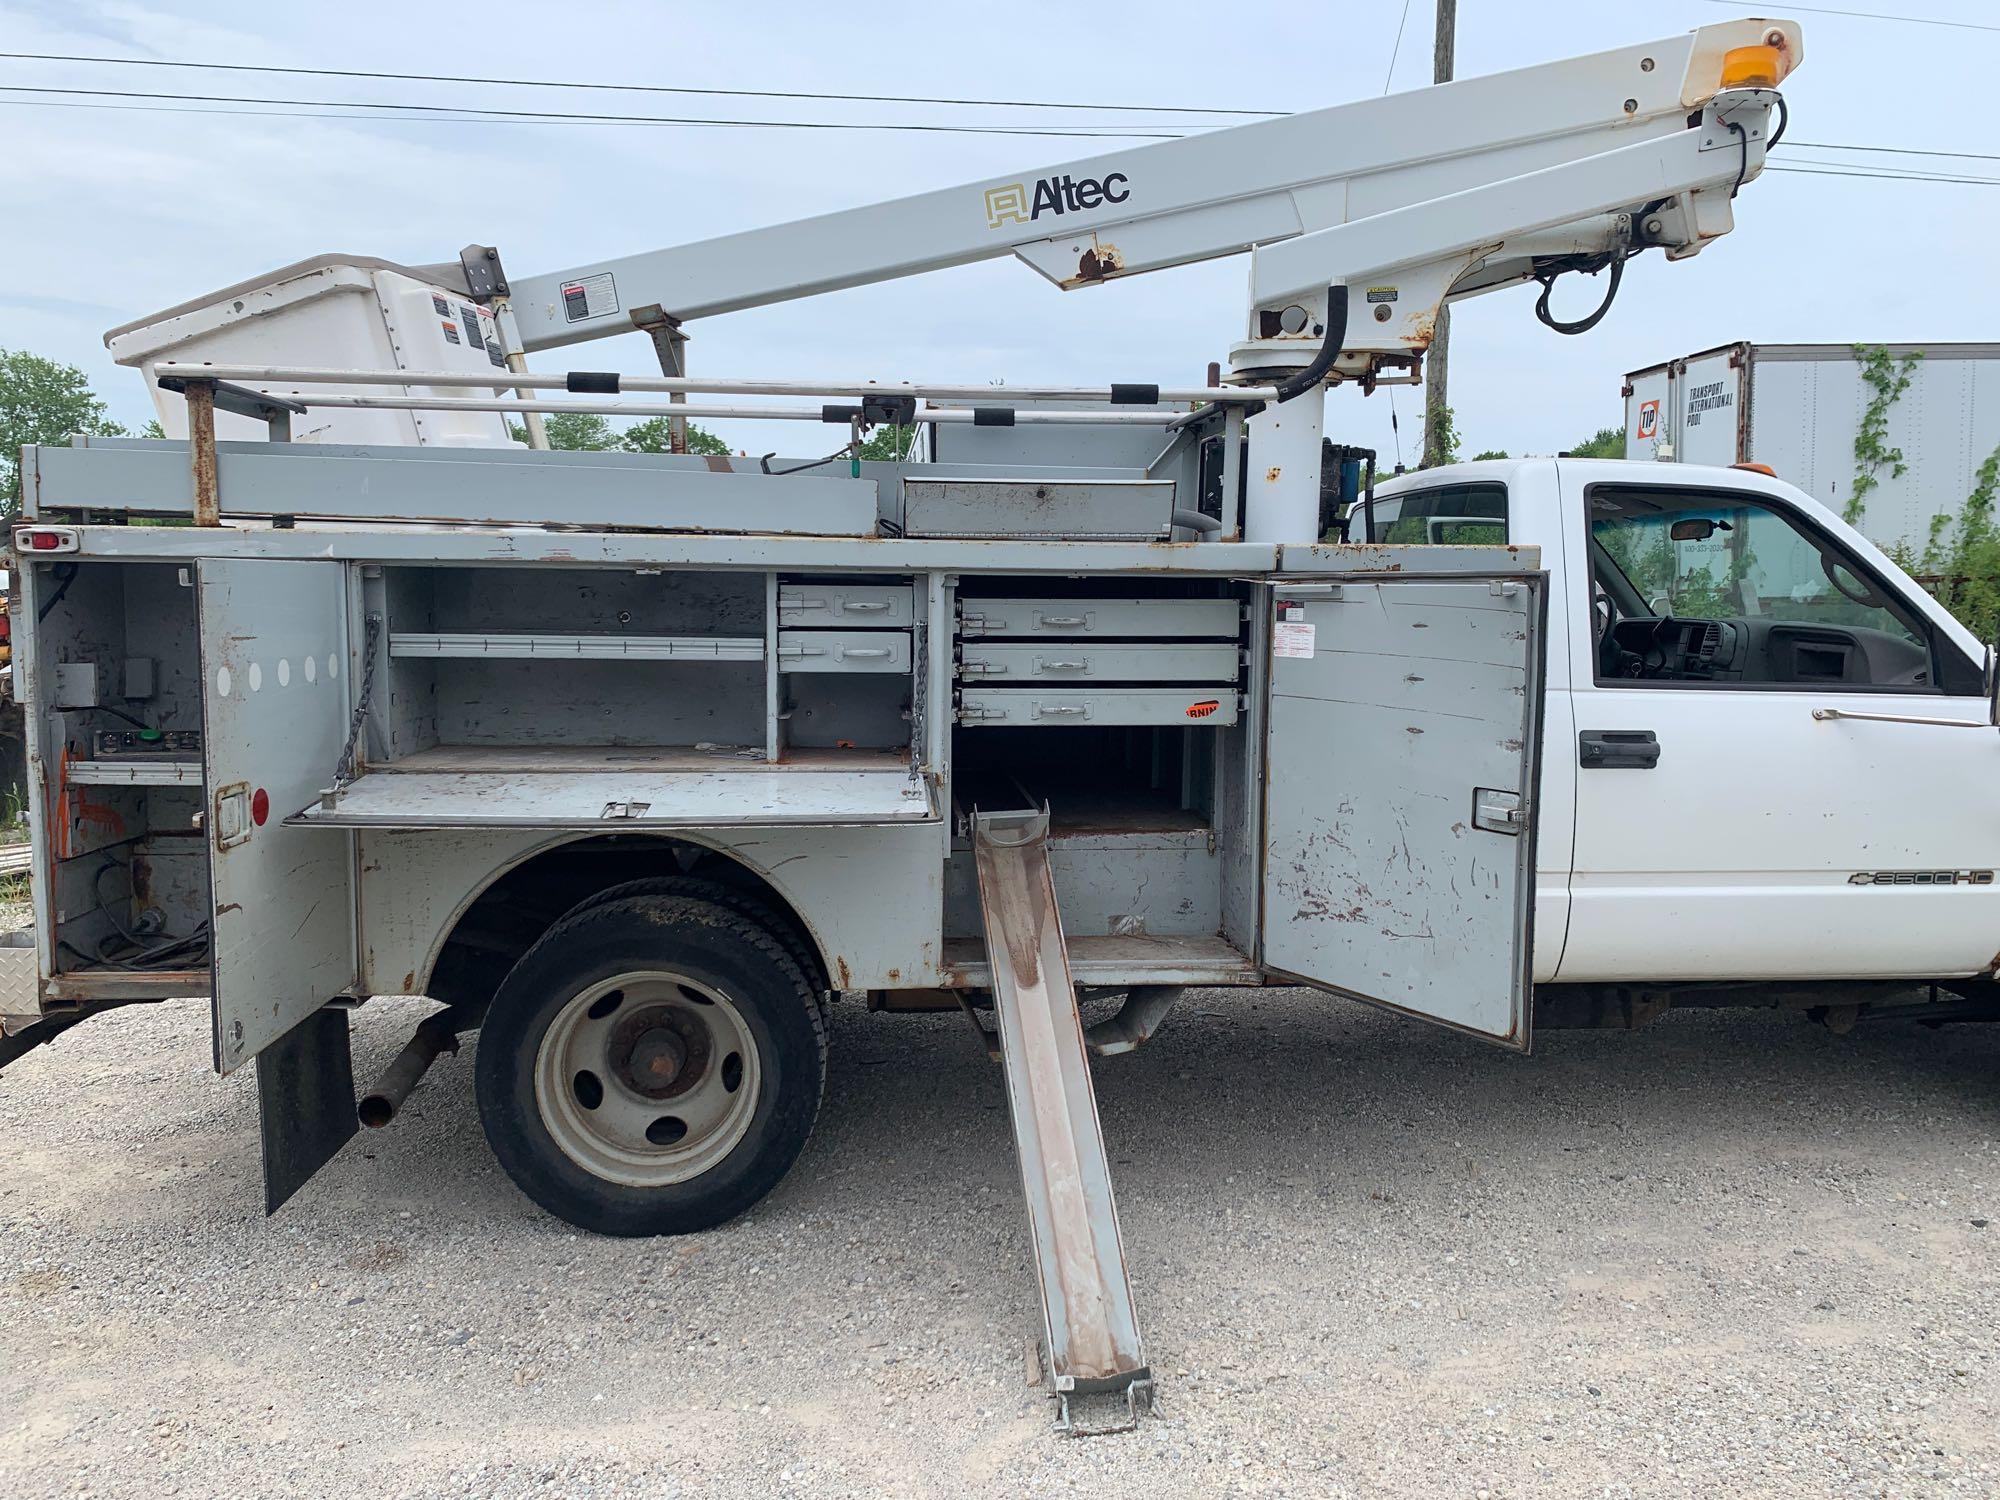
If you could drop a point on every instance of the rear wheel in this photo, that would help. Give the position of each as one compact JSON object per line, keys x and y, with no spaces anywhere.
{"x":652,"y":1066}
{"x":743,"y":903}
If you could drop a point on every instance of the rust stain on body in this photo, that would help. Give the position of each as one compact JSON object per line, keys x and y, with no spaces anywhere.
{"x":1098,"y":262}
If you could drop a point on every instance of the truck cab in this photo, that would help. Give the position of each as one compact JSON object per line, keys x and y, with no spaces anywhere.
{"x":1769,"y":754}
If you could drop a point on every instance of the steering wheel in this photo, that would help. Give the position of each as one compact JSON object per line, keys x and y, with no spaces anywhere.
{"x":1664,"y":627}
{"x":1605,"y":615}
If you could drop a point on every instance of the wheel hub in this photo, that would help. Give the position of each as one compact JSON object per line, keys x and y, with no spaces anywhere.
{"x":656,"y":1061}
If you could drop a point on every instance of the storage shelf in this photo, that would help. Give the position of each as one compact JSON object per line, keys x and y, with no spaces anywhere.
{"x":138,"y":771}
{"x":578,"y":647}
{"x":566,"y":759}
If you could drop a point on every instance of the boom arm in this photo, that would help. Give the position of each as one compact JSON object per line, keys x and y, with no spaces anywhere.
{"x":1433,"y":194}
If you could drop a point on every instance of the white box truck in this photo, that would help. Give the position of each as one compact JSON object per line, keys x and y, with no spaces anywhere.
{"x":1799,"y":410}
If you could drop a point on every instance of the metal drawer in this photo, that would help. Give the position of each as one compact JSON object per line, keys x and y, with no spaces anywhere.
{"x":836,"y":603}
{"x":999,"y":663}
{"x":844,"y":650}
{"x":1180,"y":618}
{"x":1054,"y":706}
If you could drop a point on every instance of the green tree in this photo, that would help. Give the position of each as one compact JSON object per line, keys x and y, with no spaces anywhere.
{"x":1490,"y":453}
{"x":655,"y":435}
{"x":1606,"y":442}
{"x":1961,"y":560}
{"x":587,"y":430}
{"x":592,"y":432}
{"x":42,"y":402}
{"x":891,"y":443}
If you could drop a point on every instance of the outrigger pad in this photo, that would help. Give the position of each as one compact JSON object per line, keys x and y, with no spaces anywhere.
{"x":305,"y":1102}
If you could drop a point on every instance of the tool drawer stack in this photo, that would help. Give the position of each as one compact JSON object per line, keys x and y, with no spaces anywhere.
{"x":833,"y":626}
{"x":1052,"y":662}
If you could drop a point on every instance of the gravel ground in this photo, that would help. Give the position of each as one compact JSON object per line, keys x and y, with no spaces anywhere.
{"x":1730,"y":1255}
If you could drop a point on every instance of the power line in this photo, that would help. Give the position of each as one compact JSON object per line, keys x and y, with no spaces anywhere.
{"x":1899,"y":150}
{"x":1872,"y":15}
{"x":436,"y":110}
{"x":1397,"y":50}
{"x":333,"y":109}
{"x":1818,"y":169}
{"x":1881,"y":177}
{"x":280,"y":114}
{"x":628,"y":88}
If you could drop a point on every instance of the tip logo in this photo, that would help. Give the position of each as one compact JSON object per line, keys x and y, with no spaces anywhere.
{"x":1007,"y":203}
{"x":1649,"y":419}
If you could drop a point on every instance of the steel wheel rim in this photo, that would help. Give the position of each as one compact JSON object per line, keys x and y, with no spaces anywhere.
{"x":647,"y":1079}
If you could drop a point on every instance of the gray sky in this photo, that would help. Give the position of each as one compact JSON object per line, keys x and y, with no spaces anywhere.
{"x":110,"y":214}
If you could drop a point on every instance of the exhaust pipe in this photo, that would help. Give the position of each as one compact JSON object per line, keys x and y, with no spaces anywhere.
{"x":436,"y":1034}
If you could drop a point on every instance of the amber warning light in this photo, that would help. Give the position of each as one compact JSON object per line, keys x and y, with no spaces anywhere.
{"x":1759,"y":67}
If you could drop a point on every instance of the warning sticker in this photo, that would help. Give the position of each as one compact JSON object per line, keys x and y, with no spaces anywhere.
{"x":591,"y":297}
{"x":1292,"y":638}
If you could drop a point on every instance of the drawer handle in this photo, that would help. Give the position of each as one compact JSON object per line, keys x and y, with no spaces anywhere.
{"x":1065,"y":666}
{"x":1061,"y":710}
{"x":866,"y":651}
{"x":1068,"y":620}
{"x":864,"y":606}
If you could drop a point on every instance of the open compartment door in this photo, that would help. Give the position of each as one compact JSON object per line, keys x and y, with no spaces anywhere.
{"x":275,"y":711}
{"x":1402,"y":736}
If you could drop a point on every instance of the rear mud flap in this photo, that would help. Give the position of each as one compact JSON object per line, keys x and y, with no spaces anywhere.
{"x":305,"y":1102}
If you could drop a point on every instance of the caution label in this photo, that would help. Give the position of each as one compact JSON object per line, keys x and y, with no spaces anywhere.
{"x":1292,"y":638}
{"x":589,"y":297}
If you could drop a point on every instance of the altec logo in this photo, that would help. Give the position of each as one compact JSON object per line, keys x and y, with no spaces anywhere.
{"x":1013,"y":203}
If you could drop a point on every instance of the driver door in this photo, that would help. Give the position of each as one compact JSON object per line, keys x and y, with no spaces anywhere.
{"x":1723,"y":830}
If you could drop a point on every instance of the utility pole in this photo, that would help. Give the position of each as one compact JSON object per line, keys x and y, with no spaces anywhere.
{"x":1437,"y":362}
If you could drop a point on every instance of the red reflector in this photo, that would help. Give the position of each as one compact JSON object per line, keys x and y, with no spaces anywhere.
{"x":260,"y":806}
{"x":44,"y":541}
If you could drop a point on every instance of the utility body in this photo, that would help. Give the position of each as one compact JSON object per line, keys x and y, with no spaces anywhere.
{"x":637,"y":763}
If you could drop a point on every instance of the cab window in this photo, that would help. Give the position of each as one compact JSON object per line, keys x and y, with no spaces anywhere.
{"x":1720,"y":589}
{"x":1457,"y":515}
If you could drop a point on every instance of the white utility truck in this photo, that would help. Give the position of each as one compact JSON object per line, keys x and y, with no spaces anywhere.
{"x":1909,"y":426}
{"x":637,"y":762}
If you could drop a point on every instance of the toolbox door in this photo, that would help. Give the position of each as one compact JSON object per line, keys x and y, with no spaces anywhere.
{"x":1402,"y":726}
{"x":275,"y":709}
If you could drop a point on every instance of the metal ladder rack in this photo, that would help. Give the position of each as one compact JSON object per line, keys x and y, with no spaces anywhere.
{"x":1094,"y":1359}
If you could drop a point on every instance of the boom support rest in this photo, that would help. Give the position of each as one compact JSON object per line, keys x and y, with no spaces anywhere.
{"x":1092,"y":1330}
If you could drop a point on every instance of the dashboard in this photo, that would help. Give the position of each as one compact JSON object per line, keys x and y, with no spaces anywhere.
{"x":1752,"y":650}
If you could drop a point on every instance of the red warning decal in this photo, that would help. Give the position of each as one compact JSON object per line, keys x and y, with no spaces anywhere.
{"x":1204,"y":709}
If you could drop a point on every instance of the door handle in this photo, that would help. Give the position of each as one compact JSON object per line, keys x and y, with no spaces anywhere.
{"x":1618,"y":749}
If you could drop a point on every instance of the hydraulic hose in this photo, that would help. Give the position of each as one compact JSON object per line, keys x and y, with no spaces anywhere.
{"x":1300,"y":381}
